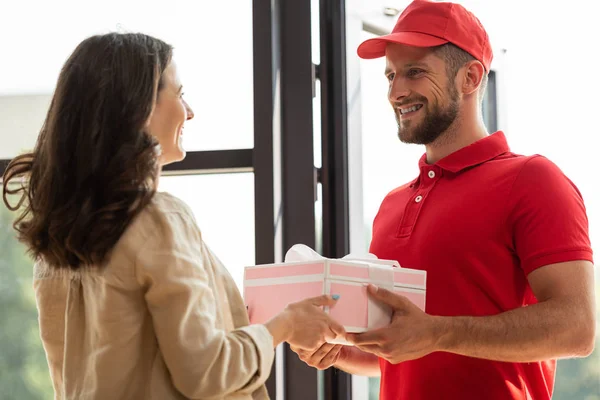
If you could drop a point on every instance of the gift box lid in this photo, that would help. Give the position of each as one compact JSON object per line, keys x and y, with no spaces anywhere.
{"x":312,"y":266}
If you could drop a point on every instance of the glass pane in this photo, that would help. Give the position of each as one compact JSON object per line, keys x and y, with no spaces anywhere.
{"x":23,"y":368}
{"x":488,"y":106}
{"x":213,"y":50}
{"x":223,"y":205}
{"x":21,"y":118}
{"x":317,"y":131}
{"x":315,"y":31}
{"x":319,"y":249}
{"x":316,"y":59}
{"x":374,"y":388}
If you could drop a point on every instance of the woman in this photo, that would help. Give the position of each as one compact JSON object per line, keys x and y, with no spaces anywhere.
{"x":132,"y":303}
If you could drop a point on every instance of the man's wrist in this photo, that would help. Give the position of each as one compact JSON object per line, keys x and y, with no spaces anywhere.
{"x":443,"y":333}
{"x":356,"y":362}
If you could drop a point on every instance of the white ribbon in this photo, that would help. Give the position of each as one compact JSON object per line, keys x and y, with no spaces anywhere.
{"x":301,"y":252}
{"x":380,"y":273}
{"x":378,"y":314}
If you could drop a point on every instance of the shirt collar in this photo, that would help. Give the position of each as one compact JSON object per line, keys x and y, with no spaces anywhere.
{"x":476,"y":153}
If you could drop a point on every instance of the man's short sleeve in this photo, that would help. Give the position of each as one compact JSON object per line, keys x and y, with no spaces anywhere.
{"x":547,"y":217}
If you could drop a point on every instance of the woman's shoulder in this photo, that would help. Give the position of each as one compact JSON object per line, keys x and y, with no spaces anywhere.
{"x":165,"y":214}
{"x":163,"y":202}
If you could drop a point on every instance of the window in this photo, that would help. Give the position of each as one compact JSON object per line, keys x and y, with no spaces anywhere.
{"x":223,"y":205}
{"x":21,"y":118}
{"x":23,"y":368}
{"x":213,"y":51}
{"x":213,"y":48}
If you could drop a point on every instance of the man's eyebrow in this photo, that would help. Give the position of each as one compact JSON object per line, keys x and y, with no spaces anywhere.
{"x":416,"y":64}
{"x":407,"y":66}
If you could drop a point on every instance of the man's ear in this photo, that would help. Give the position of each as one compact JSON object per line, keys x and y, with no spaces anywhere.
{"x":473,"y":73}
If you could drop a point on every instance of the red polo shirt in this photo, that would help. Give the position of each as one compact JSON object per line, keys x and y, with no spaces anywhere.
{"x":479,"y":221}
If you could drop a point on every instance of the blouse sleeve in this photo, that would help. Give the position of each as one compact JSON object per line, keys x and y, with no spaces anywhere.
{"x":204,"y":361}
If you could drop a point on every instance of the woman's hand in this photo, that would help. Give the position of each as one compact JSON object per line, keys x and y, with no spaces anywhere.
{"x":310,"y":326}
{"x":324,"y":357}
{"x":305,"y":325}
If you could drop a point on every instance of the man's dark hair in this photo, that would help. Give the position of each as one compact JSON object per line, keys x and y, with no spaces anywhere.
{"x":455,"y":59}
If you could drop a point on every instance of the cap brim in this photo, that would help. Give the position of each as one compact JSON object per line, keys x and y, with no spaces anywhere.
{"x":375,"y":48}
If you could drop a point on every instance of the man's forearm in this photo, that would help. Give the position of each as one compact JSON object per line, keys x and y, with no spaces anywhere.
{"x":552,"y":329}
{"x":356,"y":362}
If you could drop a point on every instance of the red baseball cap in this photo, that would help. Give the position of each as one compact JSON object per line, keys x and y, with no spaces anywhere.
{"x":427,"y":23}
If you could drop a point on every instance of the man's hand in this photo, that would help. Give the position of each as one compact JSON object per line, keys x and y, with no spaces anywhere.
{"x":322,"y":358}
{"x":411,"y":334}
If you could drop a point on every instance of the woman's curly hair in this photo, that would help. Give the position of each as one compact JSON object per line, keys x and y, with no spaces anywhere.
{"x":93,"y":168}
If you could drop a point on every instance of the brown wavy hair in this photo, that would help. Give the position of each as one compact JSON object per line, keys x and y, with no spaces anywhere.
{"x":93,"y":168}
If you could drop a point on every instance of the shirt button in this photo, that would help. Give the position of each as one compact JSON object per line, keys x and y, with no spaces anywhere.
{"x":418,"y":199}
{"x":431,"y":174}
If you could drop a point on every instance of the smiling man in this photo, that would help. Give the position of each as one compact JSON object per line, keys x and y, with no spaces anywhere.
{"x":503,"y":237}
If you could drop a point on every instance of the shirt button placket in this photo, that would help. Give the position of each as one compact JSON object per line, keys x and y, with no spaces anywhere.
{"x":428,"y":179}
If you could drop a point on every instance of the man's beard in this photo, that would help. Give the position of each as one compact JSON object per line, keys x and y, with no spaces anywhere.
{"x":435,"y":122}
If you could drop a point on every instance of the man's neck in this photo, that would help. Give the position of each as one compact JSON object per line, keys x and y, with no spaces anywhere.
{"x":459,"y":135}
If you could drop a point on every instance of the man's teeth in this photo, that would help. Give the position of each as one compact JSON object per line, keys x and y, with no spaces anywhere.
{"x":410,"y":109}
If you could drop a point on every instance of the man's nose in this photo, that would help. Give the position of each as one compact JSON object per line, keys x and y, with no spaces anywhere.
{"x":398,"y":91}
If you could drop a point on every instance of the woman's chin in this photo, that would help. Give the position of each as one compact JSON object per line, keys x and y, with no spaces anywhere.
{"x":172,"y":157}
{"x":179,"y":156}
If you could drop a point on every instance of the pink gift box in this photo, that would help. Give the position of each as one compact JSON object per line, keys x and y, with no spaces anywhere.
{"x":269,"y":288}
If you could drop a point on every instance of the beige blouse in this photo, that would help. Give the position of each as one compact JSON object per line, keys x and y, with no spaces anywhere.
{"x":162,"y":319}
